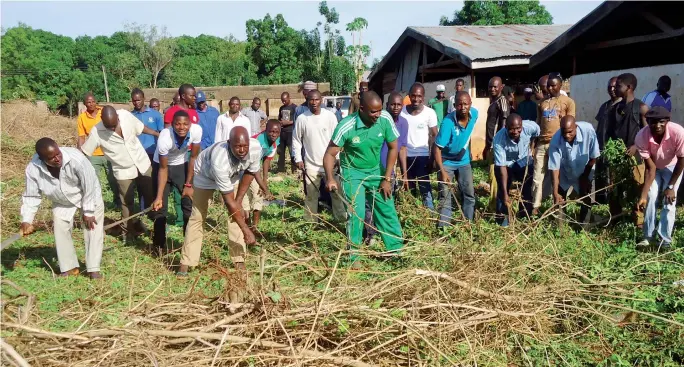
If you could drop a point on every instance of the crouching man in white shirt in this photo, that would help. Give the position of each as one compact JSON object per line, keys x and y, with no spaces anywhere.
{"x":220,"y":167}
{"x":66,"y":177}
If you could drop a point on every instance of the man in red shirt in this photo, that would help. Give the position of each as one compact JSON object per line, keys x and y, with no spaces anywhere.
{"x":186,"y":103}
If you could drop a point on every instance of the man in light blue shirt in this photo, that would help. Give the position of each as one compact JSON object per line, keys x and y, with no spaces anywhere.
{"x":208,"y":116}
{"x":453,"y":157}
{"x":150,"y":118}
{"x":572,"y":155}
{"x":514,"y":163}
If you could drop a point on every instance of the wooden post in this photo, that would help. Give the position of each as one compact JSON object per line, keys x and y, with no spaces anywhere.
{"x":473,"y":90}
{"x":104,"y":76}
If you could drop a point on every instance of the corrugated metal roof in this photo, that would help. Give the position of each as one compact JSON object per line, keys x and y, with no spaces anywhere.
{"x":492,"y":42}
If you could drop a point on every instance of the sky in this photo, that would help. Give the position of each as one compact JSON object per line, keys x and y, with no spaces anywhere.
{"x":386,"y":19}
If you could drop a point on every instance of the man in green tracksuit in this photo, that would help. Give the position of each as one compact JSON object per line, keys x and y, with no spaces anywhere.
{"x":361,"y":136}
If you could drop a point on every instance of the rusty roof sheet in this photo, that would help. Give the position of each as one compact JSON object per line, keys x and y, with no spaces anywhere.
{"x":492,"y":42}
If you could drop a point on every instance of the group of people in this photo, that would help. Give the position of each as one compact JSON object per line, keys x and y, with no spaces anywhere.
{"x":194,"y":150}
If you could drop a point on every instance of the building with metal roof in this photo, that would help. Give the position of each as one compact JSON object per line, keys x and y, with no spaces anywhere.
{"x":435,"y":53}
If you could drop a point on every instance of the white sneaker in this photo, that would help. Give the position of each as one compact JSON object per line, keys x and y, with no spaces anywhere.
{"x":645,"y":243}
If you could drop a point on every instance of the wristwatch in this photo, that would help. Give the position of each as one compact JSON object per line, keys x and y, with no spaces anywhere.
{"x":670,"y":187}
{"x":388,"y":179}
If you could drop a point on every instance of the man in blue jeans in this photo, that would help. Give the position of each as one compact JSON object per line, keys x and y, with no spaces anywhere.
{"x":422,"y":123}
{"x":513,"y":162}
{"x":452,"y":156}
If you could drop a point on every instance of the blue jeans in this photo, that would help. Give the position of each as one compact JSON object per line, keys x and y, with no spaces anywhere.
{"x":464,"y":176}
{"x":418,"y":170}
{"x":515,"y":173}
{"x":667,"y":214}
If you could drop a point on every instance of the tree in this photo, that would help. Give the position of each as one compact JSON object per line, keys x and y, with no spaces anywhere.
{"x":499,"y":13}
{"x":273,"y":46}
{"x":358,"y":52}
{"x":155,"y":48}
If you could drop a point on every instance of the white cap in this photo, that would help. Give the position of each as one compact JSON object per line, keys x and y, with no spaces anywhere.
{"x":441,"y":88}
{"x":528,"y":90}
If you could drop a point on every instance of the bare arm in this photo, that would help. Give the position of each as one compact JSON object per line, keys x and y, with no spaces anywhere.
{"x":235,"y":211}
{"x":649,"y":177}
{"x":263,"y":184}
{"x":503,"y":184}
{"x":555,"y":175}
{"x":81,"y":141}
{"x":329,"y":160}
{"x":147,"y":130}
{"x":194,"y":152}
{"x":392,"y":153}
{"x":403,"y":154}
{"x":245,"y":181}
{"x":162,"y":177}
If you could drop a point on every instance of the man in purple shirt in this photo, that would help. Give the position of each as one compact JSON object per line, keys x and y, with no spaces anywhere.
{"x":394,"y":105}
{"x":659,"y":97}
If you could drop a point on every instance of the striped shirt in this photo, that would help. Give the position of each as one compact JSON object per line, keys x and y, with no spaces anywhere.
{"x":76,"y":187}
{"x":217,"y":168}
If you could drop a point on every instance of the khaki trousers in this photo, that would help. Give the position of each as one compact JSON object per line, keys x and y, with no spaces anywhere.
{"x":253,"y":199}
{"x":312,"y":195}
{"x":94,"y":241}
{"x":541,"y":160}
{"x":194,"y":233}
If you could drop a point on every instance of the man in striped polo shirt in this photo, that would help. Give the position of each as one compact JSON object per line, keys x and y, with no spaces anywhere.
{"x":362,"y":135}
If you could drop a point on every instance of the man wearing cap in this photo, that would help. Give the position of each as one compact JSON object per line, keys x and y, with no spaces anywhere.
{"x":527,"y":109}
{"x":307,"y":87}
{"x":661,"y":145}
{"x":208,"y":116}
{"x":440,"y":104}
{"x":356,"y":98}
{"x":256,"y":116}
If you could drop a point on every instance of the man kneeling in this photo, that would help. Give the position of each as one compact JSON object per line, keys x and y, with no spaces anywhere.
{"x":219,"y":167}
{"x":66,"y":177}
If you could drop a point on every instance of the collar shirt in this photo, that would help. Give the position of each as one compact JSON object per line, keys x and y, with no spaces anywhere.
{"x":169,"y":146}
{"x":217,"y":168}
{"x":508,"y":152}
{"x":76,"y":187}
{"x":654,"y":98}
{"x":255,"y":118}
{"x":670,"y":148}
{"x":572,"y":158}
{"x":153,"y":120}
{"x":225,"y":124}
{"x":268,"y":151}
{"x":313,"y":132}
{"x":454,"y":139}
{"x":362,"y":144}
{"x":126,"y":153}
{"x":85,"y":123}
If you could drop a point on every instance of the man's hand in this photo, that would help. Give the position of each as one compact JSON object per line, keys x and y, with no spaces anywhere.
{"x":641,"y":204}
{"x":249,"y":237}
{"x":631,"y":151}
{"x":187,"y":192}
{"x":157,"y":204}
{"x":670,"y":196}
{"x":26,"y":229}
{"x":585,"y":184}
{"x":89,"y":222}
{"x":558,"y":198}
{"x":331,"y":185}
{"x":404,"y":182}
{"x":300,"y":165}
{"x":507,"y":199}
{"x":444,"y":176}
{"x":386,"y":188}
{"x":268,"y":196}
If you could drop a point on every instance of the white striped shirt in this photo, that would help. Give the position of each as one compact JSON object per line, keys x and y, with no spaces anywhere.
{"x":77,"y":187}
{"x":217,"y":168}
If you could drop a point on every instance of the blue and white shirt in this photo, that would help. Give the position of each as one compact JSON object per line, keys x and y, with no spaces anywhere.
{"x":508,"y":152}
{"x":572,"y":158}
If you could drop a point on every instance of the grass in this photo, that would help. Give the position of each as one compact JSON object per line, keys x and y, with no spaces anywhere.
{"x":552,"y":296}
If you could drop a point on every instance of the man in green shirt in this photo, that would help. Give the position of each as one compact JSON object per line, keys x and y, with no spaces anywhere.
{"x":362,"y":135}
{"x":440,"y":104}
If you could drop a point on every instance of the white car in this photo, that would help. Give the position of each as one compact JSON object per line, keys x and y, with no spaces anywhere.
{"x":346,"y":101}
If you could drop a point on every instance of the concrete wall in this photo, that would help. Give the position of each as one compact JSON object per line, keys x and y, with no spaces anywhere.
{"x":589,"y":90}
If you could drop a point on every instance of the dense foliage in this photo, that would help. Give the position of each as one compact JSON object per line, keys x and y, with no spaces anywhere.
{"x":499,"y":13}
{"x":41,"y":65}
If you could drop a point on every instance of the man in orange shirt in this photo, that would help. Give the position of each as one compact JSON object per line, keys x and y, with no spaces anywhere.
{"x":86,"y":120}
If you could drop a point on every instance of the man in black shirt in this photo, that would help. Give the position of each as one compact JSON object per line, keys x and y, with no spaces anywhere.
{"x":286,"y":117}
{"x":625,"y":119}
{"x":497,"y":113}
{"x":602,"y":120}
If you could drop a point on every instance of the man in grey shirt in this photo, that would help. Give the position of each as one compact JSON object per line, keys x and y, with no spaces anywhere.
{"x":255,"y":116}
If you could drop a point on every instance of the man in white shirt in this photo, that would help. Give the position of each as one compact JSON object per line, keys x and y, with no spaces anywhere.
{"x":66,"y":177}
{"x":173,"y":167}
{"x":230,"y":119}
{"x":223,"y":166}
{"x":256,"y":116}
{"x":117,"y":135}
{"x":313,"y":130}
{"x":422,"y":123}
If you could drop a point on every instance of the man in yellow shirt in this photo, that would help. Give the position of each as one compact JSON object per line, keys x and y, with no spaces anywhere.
{"x":86,"y":120}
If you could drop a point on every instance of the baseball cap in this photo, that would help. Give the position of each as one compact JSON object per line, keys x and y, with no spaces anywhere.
{"x":309,"y":85}
{"x":200,"y":97}
{"x":441,"y":88}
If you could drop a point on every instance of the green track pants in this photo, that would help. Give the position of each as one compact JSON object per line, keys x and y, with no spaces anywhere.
{"x":362,"y":185}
